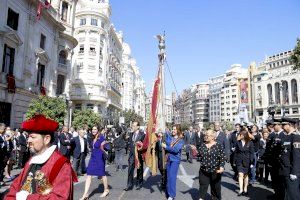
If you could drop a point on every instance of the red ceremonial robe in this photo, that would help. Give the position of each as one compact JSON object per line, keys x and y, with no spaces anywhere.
{"x":62,"y":185}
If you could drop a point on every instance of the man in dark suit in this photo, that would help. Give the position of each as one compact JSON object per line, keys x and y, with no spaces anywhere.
{"x":22,"y":141}
{"x":189,"y":140}
{"x":135,"y":138}
{"x":232,"y":144}
{"x":199,"y":139}
{"x":79,"y":144}
{"x":2,"y":152}
{"x":222,"y":139}
{"x":65,"y":142}
{"x":161,"y":158}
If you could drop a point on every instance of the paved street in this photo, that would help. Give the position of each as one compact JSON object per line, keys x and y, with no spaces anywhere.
{"x":187,"y":186}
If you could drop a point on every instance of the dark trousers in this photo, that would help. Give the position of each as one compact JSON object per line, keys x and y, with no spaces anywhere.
{"x":79,"y":164}
{"x":233,"y":165}
{"x":277,"y":183}
{"x":21,"y":159}
{"x":131,"y":167}
{"x":292,"y":190}
{"x":212,"y":179}
{"x":2,"y":166}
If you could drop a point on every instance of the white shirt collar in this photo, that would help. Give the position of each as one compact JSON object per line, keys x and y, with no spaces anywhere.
{"x":42,"y":158}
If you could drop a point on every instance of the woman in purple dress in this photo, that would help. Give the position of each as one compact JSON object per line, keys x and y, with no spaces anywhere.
{"x":96,"y":165}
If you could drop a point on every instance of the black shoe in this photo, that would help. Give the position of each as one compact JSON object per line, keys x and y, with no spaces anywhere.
{"x":128,"y":188}
{"x":240,"y":194}
{"x":245,"y":193}
{"x":138,"y":187}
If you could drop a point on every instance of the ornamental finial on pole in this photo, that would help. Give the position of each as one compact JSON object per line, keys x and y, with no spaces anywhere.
{"x":162,"y":48}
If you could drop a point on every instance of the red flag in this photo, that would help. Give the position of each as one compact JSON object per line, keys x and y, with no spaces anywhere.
{"x":40,"y":8}
{"x":150,"y":138}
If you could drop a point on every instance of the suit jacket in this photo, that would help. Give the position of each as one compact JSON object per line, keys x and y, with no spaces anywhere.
{"x":77,"y":146}
{"x":223,"y":141}
{"x":22,"y":143}
{"x":189,"y":138}
{"x":244,"y":154}
{"x":131,"y":144}
{"x":199,"y":140}
{"x":233,"y":140}
{"x":64,"y":144}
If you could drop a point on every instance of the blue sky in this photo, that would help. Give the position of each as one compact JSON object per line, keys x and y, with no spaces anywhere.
{"x":204,"y":37}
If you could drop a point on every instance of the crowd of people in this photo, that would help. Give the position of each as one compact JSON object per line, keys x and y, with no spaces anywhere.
{"x":268,"y":155}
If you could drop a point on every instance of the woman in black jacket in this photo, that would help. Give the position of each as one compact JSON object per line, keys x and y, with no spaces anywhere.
{"x":244,"y":160}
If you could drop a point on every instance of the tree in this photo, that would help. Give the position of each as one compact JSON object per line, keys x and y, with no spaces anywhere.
{"x":86,"y":117}
{"x":185,"y":126}
{"x":52,"y":107}
{"x":295,"y":58}
{"x":228,"y":125}
{"x":207,"y":125}
{"x":131,"y":116}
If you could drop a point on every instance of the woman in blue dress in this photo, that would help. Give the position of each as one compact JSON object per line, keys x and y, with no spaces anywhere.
{"x":173,"y":146}
{"x":96,"y":166}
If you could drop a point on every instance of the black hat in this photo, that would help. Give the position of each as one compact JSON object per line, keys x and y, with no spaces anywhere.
{"x":286,"y":120}
{"x":269,"y":122}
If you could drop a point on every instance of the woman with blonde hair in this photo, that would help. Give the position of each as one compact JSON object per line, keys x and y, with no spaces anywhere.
{"x":173,"y":146}
{"x":212,"y":162}
{"x":96,"y":166}
{"x":244,"y":160}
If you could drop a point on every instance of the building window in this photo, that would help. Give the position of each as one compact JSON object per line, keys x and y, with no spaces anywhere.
{"x":40,"y":75}
{"x":81,"y":48}
{"x":102,"y":24}
{"x":285,"y":92}
{"x":64,"y":11}
{"x":94,"y":22}
{"x":277,"y":93}
{"x":270,"y":95}
{"x":295,"y":110}
{"x":12,"y":19}
{"x":90,"y":106}
{"x":62,"y":57}
{"x":82,"y":21}
{"x":8,"y":60}
{"x":60,"y":84}
{"x":92,"y":49}
{"x":294,"y":91}
{"x":42,"y":41}
{"x":78,"y":106}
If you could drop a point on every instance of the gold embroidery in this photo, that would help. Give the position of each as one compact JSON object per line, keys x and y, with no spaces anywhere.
{"x":27,"y":185}
{"x":43,"y":185}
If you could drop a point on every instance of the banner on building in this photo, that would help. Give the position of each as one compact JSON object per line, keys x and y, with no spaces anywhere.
{"x":244,"y":91}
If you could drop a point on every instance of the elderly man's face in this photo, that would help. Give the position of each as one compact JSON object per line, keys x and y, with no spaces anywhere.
{"x":38,"y":143}
{"x":217,"y":127}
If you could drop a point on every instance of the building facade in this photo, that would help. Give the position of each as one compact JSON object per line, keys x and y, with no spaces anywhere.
{"x":215,"y":87}
{"x":275,"y":83}
{"x":36,"y":54}
{"x":232,"y":108}
{"x":168,"y":108}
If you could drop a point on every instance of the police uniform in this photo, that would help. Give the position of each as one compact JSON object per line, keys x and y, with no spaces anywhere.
{"x":289,"y":171}
{"x":273,"y":151}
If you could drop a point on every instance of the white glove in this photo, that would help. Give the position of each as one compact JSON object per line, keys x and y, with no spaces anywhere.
{"x":251,"y":166}
{"x":22,"y":195}
{"x":293,"y":177}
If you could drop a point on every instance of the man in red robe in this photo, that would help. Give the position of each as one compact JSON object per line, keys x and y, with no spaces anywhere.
{"x":48,"y":174}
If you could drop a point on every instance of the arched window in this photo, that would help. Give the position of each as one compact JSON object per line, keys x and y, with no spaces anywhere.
{"x":285,"y":92}
{"x":294,"y":91}
{"x":62,"y":57}
{"x":277,"y":93}
{"x":270,"y":94}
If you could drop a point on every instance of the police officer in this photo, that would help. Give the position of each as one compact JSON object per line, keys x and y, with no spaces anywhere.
{"x":289,"y":170}
{"x":273,"y":151}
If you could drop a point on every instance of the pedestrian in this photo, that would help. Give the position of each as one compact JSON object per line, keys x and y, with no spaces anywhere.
{"x":80,"y":152}
{"x":96,"y":166}
{"x":22,"y":140}
{"x":65,"y":142}
{"x":119,"y":146}
{"x":189,"y":141}
{"x":161,"y":158}
{"x":232,"y":143}
{"x":289,"y":171}
{"x":173,"y":146}
{"x":135,"y":160}
{"x":244,"y":160}
{"x":48,"y":174}
{"x":222,"y":139}
{"x":256,"y":141}
{"x":261,"y":157}
{"x":212,"y":162}
{"x":3,"y":154}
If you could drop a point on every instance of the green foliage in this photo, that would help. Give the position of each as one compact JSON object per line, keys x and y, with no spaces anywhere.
{"x":228,"y":126}
{"x":86,"y":117}
{"x":295,"y":58}
{"x":208,"y":125}
{"x":185,"y":126}
{"x":130,"y":116}
{"x":52,"y":107}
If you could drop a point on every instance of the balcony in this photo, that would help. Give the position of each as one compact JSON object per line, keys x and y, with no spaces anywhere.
{"x":111,"y":88}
